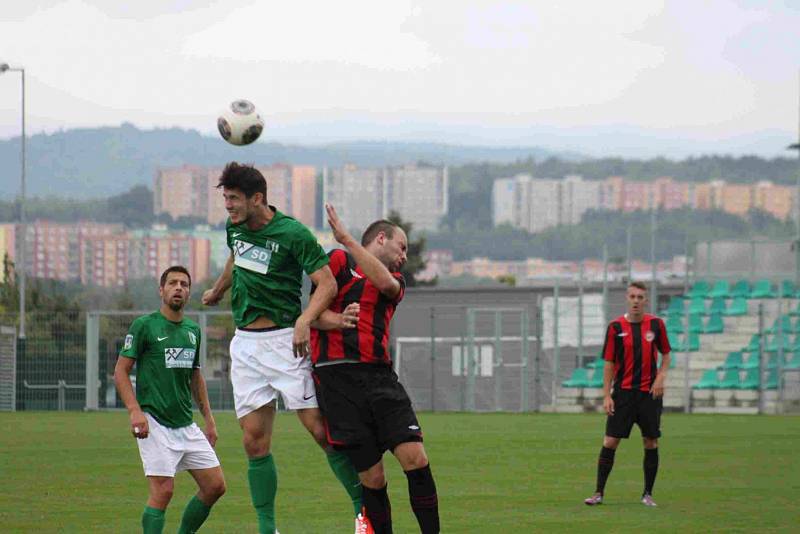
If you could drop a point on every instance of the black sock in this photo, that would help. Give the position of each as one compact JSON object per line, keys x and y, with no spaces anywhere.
{"x":604,"y":465}
{"x":650,"y":469}
{"x":424,"y":501}
{"x":378,"y":508}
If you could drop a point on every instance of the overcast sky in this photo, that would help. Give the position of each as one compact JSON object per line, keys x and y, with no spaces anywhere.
{"x":688,"y":73}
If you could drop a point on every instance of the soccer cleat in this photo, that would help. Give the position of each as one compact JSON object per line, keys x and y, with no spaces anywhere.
{"x":647,"y":500}
{"x":594,"y":500}
{"x":363,"y":526}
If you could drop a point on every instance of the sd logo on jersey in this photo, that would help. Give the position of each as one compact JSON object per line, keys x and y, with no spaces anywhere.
{"x":251,"y":257}
{"x":176,"y":358}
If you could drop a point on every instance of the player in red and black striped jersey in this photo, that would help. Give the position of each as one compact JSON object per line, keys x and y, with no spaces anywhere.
{"x":631,"y":349}
{"x":367,"y":411}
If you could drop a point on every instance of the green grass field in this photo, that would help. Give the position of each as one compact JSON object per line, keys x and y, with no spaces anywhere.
{"x":76,"y":472}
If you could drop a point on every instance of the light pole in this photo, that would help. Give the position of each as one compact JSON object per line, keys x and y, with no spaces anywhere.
{"x":22,"y":230}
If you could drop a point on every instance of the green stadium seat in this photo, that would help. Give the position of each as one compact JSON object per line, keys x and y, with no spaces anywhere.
{"x":730,"y":379}
{"x":788,"y":290}
{"x":597,"y":363}
{"x":795,"y":312}
{"x":697,"y":306}
{"x":675,"y":305}
{"x":675,"y":324}
{"x":784,"y":321}
{"x":717,"y":305}
{"x":741,"y":289}
{"x":714,"y":325}
{"x":597,"y":379}
{"x":772,"y":379}
{"x":754,"y":345}
{"x":721,"y":289}
{"x":692,"y":342}
{"x":699,"y":289}
{"x":737,"y":307}
{"x":733,"y":361}
{"x":675,"y":315}
{"x":708,"y":380}
{"x":794,"y":362}
{"x":696,"y":324}
{"x":750,"y":380}
{"x":751,"y":363}
{"x":762,"y":289}
{"x":579,"y":379}
{"x":772,"y":361}
{"x":777,"y":342}
{"x":795,"y":326}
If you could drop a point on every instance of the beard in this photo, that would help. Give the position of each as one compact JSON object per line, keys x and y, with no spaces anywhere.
{"x":175,"y":306}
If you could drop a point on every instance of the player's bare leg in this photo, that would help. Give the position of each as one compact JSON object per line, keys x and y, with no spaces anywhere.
{"x":604,"y":465}
{"x":160,"y":491}
{"x":211,"y":486}
{"x":312,"y":420}
{"x":421,"y":486}
{"x":261,"y":473}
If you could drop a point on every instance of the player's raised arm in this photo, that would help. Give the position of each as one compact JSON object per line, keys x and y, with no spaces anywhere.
{"x":373,"y":268}
{"x":211,"y":297}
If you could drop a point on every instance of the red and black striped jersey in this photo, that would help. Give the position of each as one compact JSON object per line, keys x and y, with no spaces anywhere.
{"x":369,"y":341}
{"x":633,"y":348}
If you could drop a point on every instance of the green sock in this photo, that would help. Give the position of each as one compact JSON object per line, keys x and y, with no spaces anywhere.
{"x":348,"y":476}
{"x":263,"y":477}
{"x":152,"y":520}
{"x":194,"y":515}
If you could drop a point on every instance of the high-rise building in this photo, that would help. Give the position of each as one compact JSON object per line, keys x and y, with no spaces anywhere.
{"x":181,"y":192}
{"x":577,"y":197}
{"x":358,"y":194}
{"x":304,"y":195}
{"x":503,"y":192}
{"x":418,"y":194}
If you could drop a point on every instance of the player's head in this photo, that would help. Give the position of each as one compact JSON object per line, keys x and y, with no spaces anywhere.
{"x":636,"y":296}
{"x":175,"y":286}
{"x":388,"y":242}
{"x":244,"y":189}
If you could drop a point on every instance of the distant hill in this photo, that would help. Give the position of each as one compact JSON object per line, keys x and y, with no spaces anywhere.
{"x":99,"y":162}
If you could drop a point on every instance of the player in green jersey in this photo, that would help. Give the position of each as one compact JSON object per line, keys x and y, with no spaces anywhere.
{"x":269,"y":351}
{"x":164,"y":345}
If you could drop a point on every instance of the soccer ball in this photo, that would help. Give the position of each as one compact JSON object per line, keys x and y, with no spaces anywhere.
{"x":240,"y":124}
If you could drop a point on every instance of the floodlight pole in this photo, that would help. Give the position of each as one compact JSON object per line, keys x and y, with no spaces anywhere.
{"x":20,"y":263}
{"x":796,"y":146}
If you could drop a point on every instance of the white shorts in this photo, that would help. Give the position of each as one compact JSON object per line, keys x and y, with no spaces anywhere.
{"x":263,"y":365}
{"x":165,"y":451}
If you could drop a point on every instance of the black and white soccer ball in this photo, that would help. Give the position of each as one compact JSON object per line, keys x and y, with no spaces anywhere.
{"x":240,"y":124}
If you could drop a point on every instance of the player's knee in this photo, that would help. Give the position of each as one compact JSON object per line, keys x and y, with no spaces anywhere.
{"x":650,"y":443}
{"x":416,"y":460}
{"x":256,"y":443}
{"x":217,"y":489}
{"x":318,"y":433}
{"x":373,"y":478}
{"x":162,"y":493}
{"x":610,"y":443}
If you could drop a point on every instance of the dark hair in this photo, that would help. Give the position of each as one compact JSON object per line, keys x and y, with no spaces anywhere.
{"x":245,"y":178}
{"x":638,"y":285}
{"x":175,"y":269}
{"x":375,"y":228}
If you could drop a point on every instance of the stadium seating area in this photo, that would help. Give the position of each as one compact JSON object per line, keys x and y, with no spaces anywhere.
{"x":717,"y":338}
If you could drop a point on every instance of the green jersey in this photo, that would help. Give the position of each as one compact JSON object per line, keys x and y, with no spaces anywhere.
{"x":166,"y":355}
{"x":268,"y":265}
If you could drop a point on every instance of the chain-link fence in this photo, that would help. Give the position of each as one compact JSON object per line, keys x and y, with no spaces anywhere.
{"x":457,"y":350}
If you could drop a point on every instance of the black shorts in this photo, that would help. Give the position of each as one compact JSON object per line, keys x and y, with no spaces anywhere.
{"x":367,"y":411}
{"x":634,"y":406}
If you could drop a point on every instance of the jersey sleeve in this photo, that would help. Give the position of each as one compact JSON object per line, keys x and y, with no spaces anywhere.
{"x":608,"y":346}
{"x":134,"y":343}
{"x":338,"y":260}
{"x":308,"y":252}
{"x":663,"y":339}
{"x":196,"y":362}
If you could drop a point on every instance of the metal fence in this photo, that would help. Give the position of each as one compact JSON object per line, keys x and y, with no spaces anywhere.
{"x":506,"y":350}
